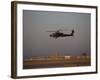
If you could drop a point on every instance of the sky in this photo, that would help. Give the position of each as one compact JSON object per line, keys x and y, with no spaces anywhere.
{"x":36,"y":40}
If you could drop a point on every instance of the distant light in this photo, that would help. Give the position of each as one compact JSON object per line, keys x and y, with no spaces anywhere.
{"x":67,"y":57}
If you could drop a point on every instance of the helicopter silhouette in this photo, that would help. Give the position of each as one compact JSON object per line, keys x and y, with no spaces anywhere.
{"x":58,"y":34}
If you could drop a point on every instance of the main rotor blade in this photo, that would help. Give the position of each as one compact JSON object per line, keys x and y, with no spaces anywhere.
{"x":65,"y":29}
{"x":61,"y":30}
{"x":50,"y":31}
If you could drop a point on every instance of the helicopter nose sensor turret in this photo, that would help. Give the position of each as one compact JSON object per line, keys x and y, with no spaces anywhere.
{"x":51,"y":35}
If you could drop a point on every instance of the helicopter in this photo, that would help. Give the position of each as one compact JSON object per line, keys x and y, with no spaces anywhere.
{"x":58,"y":34}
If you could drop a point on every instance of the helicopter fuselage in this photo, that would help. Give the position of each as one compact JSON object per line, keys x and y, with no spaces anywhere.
{"x":59,"y":34}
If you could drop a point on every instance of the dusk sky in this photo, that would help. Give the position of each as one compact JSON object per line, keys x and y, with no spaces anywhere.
{"x":37,"y":43}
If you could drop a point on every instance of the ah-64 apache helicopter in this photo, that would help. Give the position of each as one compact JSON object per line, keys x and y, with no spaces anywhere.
{"x":58,"y":33}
